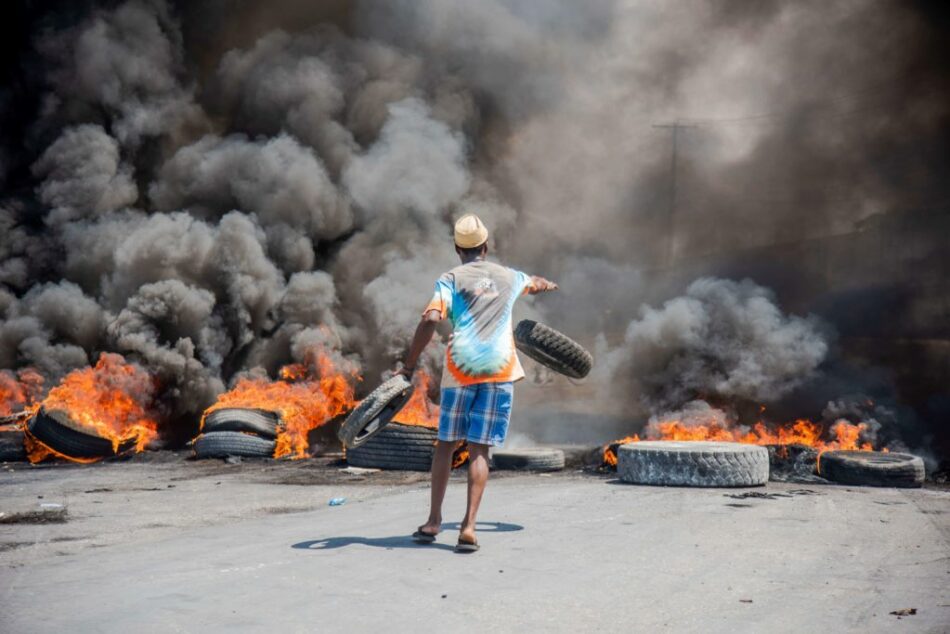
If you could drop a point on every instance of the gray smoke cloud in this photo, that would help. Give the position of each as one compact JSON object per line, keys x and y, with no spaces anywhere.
{"x":417,"y":164}
{"x":54,"y":328}
{"x":283,"y":82}
{"x":723,"y":339}
{"x":83,"y":175}
{"x":127,"y":61}
{"x":281,"y":181}
{"x":215,"y":192}
{"x":171,"y":328}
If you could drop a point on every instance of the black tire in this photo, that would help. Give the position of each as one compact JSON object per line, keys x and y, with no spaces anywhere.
{"x":872,"y":468}
{"x":11,"y":446}
{"x":56,"y":430}
{"x":529,"y":459}
{"x":398,"y":447}
{"x":220,"y":444}
{"x":793,"y":463}
{"x":693,"y":464}
{"x":375,"y":412}
{"x":256,"y":421}
{"x":552,"y":349}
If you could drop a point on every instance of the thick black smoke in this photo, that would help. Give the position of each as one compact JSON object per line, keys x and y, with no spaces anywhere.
{"x":210,"y":187}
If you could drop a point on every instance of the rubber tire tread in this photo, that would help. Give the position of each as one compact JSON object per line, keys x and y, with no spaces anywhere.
{"x":398,"y":447}
{"x":868,"y":468}
{"x":693,"y":464}
{"x":11,"y":446}
{"x":220,"y":444}
{"x":56,"y":430}
{"x":390,"y":392}
{"x":538,"y":460}
{"x":256,"y":421}
{"x":553,"y":349}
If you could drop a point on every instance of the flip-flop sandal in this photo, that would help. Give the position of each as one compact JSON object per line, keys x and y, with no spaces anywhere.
{"x":465,"y":546}
{"x":423,"y":538}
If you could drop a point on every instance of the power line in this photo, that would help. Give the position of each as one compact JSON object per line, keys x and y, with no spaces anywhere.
{"x":836,"y":101}
{"x":674,"y":128}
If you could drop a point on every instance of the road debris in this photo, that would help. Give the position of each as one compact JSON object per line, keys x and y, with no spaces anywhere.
{"x":904,"y":612}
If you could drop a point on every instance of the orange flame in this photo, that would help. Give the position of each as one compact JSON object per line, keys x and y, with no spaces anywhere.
{"x":460,"y":456}
{"x":112,"y":400}
{"x":20,"y":391}
{"x":419,"y":410}
{"x":306,"y":396}
{"x":37,"y":451}
{"x":846,"y":436}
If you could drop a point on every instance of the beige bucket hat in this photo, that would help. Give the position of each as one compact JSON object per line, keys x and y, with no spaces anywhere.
{"x":470,"y":232}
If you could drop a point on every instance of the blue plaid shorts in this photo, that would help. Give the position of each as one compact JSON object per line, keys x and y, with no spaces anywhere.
{"x":476,"y":413}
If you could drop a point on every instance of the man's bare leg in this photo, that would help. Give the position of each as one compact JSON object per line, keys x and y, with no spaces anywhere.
{"x":477,"y":478}
{"x":441,"y":469}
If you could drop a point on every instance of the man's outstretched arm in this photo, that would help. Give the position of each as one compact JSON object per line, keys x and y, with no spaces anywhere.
{"x":420,"y":340}
{"x":540,"y":285}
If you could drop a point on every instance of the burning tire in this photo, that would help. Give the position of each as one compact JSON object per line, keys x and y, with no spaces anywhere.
{"x":693,"y":464}
{"x":552,"y":349}
{"x":529,"y":459}
{"x":255,"y":421}
{"x":793,"y":463}
{"x":374,"y":412}
{"x":401,"y":447}
{"x":220,"y":444}
{"x":870,"y":468}
{"x":57,"y":431}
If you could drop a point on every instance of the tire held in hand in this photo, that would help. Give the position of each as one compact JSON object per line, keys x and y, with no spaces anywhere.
{"x":375,"y":412}
{"x":553,"y":349}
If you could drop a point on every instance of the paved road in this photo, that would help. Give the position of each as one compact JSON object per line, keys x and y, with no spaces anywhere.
{"x":563,"y":553}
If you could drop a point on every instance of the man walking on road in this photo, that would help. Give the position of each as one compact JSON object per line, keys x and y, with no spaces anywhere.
{"x":481,"y":366}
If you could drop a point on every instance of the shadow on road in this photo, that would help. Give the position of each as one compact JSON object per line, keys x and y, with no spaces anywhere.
{"x":403,"y":541}
{"x":398,"y":541}
{"x":486,"y":527}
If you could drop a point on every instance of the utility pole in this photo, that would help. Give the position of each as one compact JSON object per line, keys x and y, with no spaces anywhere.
{"x":675,"y":129}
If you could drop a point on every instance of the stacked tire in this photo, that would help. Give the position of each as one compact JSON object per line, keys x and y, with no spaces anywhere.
{"x":11,"y":446}
{"x":236,"y":431}
{"x":396,"y":446}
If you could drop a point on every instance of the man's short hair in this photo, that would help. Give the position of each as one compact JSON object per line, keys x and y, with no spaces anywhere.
{"x":473,"y":251}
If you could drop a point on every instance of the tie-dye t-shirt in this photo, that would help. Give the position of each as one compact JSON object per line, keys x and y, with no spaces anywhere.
{"x":478,"y":297}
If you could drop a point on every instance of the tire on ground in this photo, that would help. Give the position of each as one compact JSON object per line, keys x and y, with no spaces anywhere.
{"x":529,"y":459}
{"x":375,"y":412}
{"x":398,"y":447}
{"x":694,"y":464}
{"x":220,"y":444}
{"x":256,"y":421}
{"x":552,"y":349}
{"x":11,"y":446}
{"x":871,"y":468}
{"x":55,"y":429}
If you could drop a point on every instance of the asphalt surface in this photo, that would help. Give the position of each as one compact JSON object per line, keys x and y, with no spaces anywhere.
{"x":569,"y":552}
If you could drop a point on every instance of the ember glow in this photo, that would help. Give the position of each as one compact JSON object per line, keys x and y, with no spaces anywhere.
{"x":112,"y":400}
{"x":842,"y":435}
{"x":306,"y":396}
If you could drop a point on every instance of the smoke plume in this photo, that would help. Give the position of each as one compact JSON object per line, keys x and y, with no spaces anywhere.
{"x":723,"y":340}
{"x":743,"y":202}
